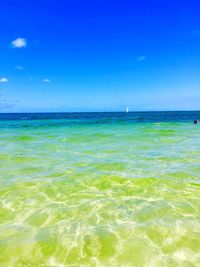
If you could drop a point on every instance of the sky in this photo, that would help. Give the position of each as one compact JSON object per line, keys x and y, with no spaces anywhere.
{"x":75,"y":55}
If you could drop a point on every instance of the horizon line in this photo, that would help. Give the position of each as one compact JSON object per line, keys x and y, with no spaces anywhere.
{"x":131,"y":111}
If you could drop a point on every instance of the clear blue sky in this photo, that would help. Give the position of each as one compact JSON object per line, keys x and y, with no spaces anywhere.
{"x":99,"y":55}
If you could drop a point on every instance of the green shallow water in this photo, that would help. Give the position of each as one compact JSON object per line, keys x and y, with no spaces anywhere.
{"x":108,"y":194}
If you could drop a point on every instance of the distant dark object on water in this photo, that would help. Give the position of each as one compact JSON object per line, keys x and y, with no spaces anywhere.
{"x":196,"y":121}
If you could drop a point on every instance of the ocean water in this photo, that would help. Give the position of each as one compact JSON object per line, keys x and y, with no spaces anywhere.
{"x":100,"y":189}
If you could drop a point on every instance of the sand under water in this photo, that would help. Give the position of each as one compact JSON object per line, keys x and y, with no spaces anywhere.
{"x":100,"y":190}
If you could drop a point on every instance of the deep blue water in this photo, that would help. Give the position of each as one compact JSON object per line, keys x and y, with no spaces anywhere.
{"x":155,"y":116}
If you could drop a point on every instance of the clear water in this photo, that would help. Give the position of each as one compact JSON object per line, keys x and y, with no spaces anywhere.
{"x":100,"y":189}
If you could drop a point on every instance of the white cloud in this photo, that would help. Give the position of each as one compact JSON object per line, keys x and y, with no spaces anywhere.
{"x":19,"y":43}
{"x":3,"y":80}
{"x":46,"y":81}
{"x":141,"y":58}
{"x":19,"y":68}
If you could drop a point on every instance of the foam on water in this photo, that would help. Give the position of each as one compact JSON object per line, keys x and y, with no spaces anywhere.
{"x":99,"y":194}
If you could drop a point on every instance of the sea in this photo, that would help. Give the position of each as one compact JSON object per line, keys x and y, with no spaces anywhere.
{"x":100,"y":189}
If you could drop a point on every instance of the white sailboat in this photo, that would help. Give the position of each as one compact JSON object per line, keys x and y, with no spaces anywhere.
{"x":127,"y":109}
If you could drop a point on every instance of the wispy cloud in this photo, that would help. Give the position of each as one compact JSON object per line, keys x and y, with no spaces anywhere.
{"x":19,"y":67}
{"x":19,"y":43}
{"x":7,"y":103}
{"x":141,"y":58}
{"x":3,"y":80}
{"x":46,"y":80}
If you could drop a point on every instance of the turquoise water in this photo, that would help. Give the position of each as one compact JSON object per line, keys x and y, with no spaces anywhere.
{"x":100,"y":191}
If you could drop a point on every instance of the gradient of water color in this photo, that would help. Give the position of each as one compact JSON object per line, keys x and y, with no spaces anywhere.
{"x":102,"y":189}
